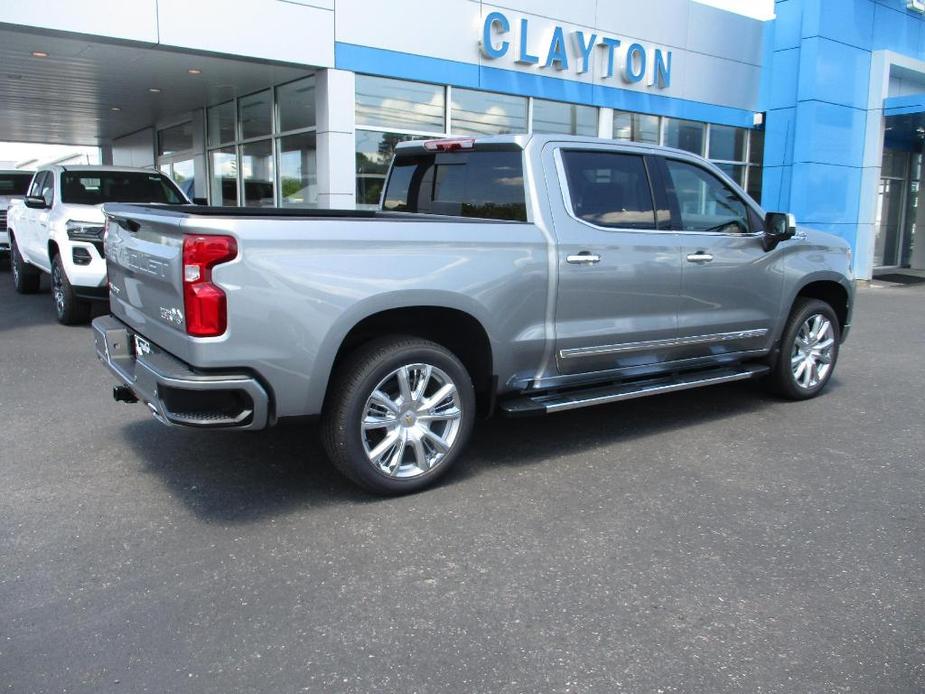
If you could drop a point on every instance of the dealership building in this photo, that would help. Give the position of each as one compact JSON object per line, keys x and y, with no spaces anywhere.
{"x":300,"y":103}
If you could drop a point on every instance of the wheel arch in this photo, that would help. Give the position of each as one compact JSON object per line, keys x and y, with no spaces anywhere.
{"x":830,"y":291}
{"x":454,"y":327}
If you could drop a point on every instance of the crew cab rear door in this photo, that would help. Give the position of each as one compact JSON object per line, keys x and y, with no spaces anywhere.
{"x":619,"y":267}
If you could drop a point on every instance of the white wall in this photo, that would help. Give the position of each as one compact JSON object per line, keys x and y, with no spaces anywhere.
{"x":136,"y":149}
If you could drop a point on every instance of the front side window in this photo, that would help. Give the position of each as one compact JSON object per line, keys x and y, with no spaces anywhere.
{"x":95,"y":187}
{"x":35,"y":190}
{"x":704,"y":202}
{"x":486,"y":185}
{"x":609,"y":189}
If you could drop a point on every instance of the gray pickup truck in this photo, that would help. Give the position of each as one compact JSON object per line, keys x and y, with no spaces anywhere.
{"x":513,"y":274}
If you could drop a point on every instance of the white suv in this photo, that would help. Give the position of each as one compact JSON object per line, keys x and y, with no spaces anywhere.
{"x":58,"y":229}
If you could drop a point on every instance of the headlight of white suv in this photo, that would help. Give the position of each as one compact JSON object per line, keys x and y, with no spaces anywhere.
{"x":84,"y":231}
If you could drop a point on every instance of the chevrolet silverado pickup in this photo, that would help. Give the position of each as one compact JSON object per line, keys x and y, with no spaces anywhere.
{"x":58,"y":228}
{"x":521,"y":274}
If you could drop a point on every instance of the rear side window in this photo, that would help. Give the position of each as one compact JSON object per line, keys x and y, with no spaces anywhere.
{"x":609,"y":189}
{"x":14,"y":184}
{"x":486,"y":185}
{"x":705,"y":202}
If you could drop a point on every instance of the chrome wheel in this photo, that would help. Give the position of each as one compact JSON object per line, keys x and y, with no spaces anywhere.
{"x":811,"y":357}
{"x":411,"y":420}
{"x":57,"y":288}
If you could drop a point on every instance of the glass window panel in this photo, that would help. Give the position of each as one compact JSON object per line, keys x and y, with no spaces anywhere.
{"x":257,"y":174}
{"x":684,"y":134}
{"x":704,"y":201}
{"x":298,"y":171}
{"x":609,"y":189}
{"x":637,"y":127}
{"x":484,"y":113}
{"x":559,"y":117}
{"x":256,"y":114}
{"x":727,"y":143}
{"x":894,"y":163}
{"x":179,"y":138}
{"x":374,"y":152}
{"x":756,"y":147}
{"x":488,"y":185}
{"x":182,"y":174}
{"x":735,"y":171}
{"x":388,"y":103}
{"x":296,"y":102}
{"x":221,"y":124}
{"x":223,"y":184}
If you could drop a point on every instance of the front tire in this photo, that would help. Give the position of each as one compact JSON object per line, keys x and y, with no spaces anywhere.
{"x":398,"y":414}
{"x":809,"y":350}
{"x":69,"y":309}
{"x":25,"y":277}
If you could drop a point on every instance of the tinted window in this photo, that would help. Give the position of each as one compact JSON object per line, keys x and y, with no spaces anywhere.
{"x":609,"y":189}
{"x":14,"y":184}
{"x":488,"y":185}
{"x":36,"y":188}
{"x":705,"y":203}
{"x":95,"y":187}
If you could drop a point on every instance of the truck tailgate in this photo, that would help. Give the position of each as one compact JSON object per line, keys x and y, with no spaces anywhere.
{"x":144,"y":254}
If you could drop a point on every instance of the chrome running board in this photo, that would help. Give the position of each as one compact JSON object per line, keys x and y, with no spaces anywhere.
{"x":559,"y":401}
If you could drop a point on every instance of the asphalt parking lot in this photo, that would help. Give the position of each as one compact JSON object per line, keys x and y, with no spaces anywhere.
{"x":707,"y":541}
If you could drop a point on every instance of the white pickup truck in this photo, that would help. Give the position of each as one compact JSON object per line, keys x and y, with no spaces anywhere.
{"x":13,"y":185}
{"x":58,"y":229}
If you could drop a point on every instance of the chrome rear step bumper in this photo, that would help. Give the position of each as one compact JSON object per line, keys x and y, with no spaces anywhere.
{"x":559,"y":401}
{"x":174,"y":392}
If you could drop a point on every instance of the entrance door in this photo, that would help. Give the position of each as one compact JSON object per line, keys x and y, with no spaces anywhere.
{"x":895,"y":216}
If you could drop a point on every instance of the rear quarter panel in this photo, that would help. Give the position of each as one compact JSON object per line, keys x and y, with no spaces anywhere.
{"x":298,"y":287}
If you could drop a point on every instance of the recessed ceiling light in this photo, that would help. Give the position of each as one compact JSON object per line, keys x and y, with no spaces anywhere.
{"x":39,"y":54}
{"x":194,"y":71}
{"x":116,"y":108}
{"x":154,"y":90}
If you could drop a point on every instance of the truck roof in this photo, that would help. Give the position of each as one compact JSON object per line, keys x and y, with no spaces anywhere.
{"x":90,"y":168}
{"x":522,"y":140}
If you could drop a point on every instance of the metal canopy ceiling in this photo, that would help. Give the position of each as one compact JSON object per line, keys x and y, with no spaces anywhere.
{"x":69,"y":97}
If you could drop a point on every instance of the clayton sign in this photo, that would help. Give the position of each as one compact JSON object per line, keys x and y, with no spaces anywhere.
{"x":574,"y":50}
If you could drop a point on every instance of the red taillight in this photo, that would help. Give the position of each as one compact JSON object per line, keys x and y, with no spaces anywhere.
{"x":204,"y":303}
{"x":450,"y":145}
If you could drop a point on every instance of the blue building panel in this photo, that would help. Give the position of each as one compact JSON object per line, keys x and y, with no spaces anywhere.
{"x":788,"y":25}
{"x":785,"y":75}
{"x":825,"y":194}
{"x":829,"y":133}
{"x":833,"y":72}
{"x":850,"y":23}
{"x":897,"y":29}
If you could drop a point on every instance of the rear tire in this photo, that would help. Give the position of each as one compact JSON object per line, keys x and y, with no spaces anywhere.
{"x":25,"y":277}
{"x":398,"y":414}
{"x":69,"y":309}
{"x":808,"y":350}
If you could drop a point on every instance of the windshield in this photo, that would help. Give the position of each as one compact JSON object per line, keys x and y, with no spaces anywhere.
{"x":14,"y":183}
{"x":95,"y":187}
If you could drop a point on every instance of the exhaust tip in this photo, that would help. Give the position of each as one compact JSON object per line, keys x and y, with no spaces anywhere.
{"x":123,"y":394}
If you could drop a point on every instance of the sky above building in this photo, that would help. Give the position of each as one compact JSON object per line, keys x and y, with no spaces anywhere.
{"x":759,"y":9}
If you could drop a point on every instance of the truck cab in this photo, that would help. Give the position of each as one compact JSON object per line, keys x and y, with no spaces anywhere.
{"x":13,"y":186}
{"x":58,"y":229}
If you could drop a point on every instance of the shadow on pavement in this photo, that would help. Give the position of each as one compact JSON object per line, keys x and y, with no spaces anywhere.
{"x":230,"y":477}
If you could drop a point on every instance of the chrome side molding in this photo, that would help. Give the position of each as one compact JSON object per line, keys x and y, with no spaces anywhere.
{"x":660,"y":344}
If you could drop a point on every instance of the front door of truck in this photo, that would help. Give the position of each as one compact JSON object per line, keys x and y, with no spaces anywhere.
{"x":619,"y":267}
{"x":731,"y":287}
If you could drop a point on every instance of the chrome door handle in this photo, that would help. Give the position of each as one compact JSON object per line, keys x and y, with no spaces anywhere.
{"x":699,"y":257}
{"x":583,"y":258}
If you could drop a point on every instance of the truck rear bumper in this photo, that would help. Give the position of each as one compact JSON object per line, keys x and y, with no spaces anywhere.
{"x":173,"y":391}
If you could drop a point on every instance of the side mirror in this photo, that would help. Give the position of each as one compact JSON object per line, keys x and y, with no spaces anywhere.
{"x":200,"y":201}
{"x":36,"y":202}
{"x":778,"y":226}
